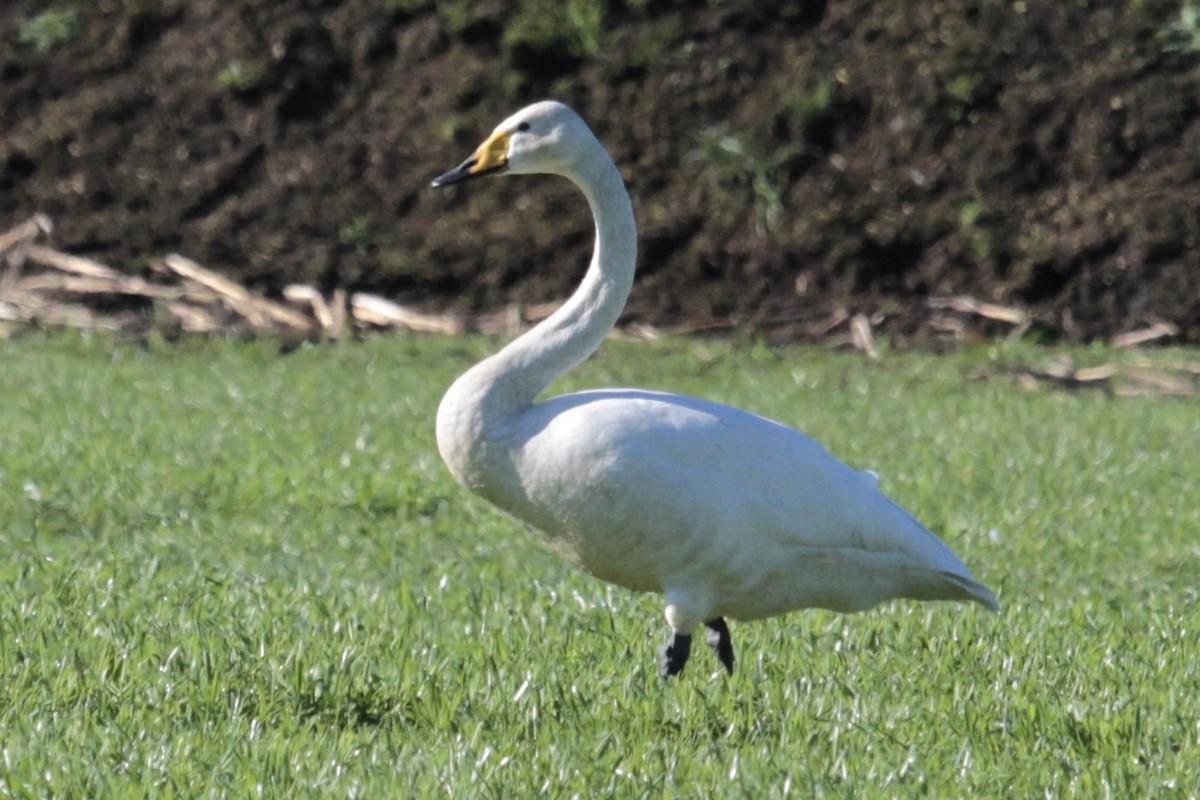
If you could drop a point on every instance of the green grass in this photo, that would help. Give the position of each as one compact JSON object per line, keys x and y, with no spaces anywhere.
{"x":230,"y":573}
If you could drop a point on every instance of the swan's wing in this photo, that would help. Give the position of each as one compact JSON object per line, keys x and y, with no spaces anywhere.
{"x":647,"y":489}
{"x":662,"y":454}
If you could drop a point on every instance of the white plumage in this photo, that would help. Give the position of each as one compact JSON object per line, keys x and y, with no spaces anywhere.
{"x":725,"y":513}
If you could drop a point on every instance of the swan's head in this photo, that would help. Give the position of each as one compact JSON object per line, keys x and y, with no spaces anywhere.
{"x":544,"y":137}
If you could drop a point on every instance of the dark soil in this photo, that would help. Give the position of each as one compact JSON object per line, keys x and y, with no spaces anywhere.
{"x":783,"y":163}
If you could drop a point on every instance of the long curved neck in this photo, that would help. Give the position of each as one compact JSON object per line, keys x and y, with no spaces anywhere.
{"x":510,"y":380}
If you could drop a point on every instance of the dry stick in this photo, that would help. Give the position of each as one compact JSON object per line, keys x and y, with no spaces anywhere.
{"x":25,"y":232}
{"x":10,"y":312}
{"x":1145,"y":380}
{"x":14,"y":247}
{"x":861,"y":335}
{"x":1132,"y":381}
{"x":120,"y":284}
{"x":377,"y":310}
{"x":31,"y":309}
{"x":1092,"y":374}
{"x":307,"y":295}
{"x":235,"y":296}
{"x":256,"y":310}
{"x":643,"y":331}
{"x":1017,"y":317}
{"x":331,"y":315}
{"x":75,"y":265}
{"x":1068,"y":377}
{"x":969,"y":305}
{"x":193,"y":319}
{"x":835,"y":318}
{"x":1158,"y":330}
{"x":340,"y":313}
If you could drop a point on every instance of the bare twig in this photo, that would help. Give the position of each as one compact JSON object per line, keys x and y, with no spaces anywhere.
{"x":75,"y":265}
{"x":57,"y":315}
{"x":376,"y":310}
{"x":1159,"y":330}
{"x":1112,"y":379}
{"x":256,"y":310}
{"x":969,"y":305}
{"x":194,"y":319}
{"x":14,"y":248}
{"x":1159,"y":381}
{"x":1017,"y":317}
{"x":114,"y":284}
{"x":308,"y":296}
{"x":339,"y":312}
{"x":861,"y":335}
{"x":26,"y":232}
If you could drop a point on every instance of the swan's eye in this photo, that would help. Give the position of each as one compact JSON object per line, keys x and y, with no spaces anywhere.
{"x":524,"y":126}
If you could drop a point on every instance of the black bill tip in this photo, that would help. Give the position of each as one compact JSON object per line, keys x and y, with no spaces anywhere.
{"x":457,"y":175}
{"x":465,"y":172}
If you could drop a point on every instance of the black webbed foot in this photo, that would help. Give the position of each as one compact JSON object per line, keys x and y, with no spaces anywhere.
{"x":674,"y":655}
{"x":719,"y":640}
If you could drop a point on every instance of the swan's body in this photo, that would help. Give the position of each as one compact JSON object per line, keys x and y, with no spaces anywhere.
{"x":723,"y":512}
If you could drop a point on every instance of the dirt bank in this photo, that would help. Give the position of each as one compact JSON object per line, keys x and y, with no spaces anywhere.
{"x":859,"y":155}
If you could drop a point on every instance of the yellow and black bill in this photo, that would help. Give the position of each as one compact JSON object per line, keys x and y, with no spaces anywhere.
{"x":490,"y":157}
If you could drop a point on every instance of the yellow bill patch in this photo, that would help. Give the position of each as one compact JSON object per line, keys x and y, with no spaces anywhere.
{"x":493,"y":153}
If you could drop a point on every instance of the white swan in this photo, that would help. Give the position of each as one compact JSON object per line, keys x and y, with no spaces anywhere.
{"x":724,"y":513}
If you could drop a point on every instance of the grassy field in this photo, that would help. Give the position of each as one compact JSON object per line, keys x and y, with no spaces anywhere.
{"x":232,"y":573}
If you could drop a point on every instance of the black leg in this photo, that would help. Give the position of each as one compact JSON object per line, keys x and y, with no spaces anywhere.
{"x":674,"y":655}
{"x":719,"y":640}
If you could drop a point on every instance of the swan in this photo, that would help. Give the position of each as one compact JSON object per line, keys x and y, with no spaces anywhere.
{"x":722,"y":512}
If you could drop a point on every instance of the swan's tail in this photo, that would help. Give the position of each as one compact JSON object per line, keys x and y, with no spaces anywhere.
{"x":972,"y":590}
